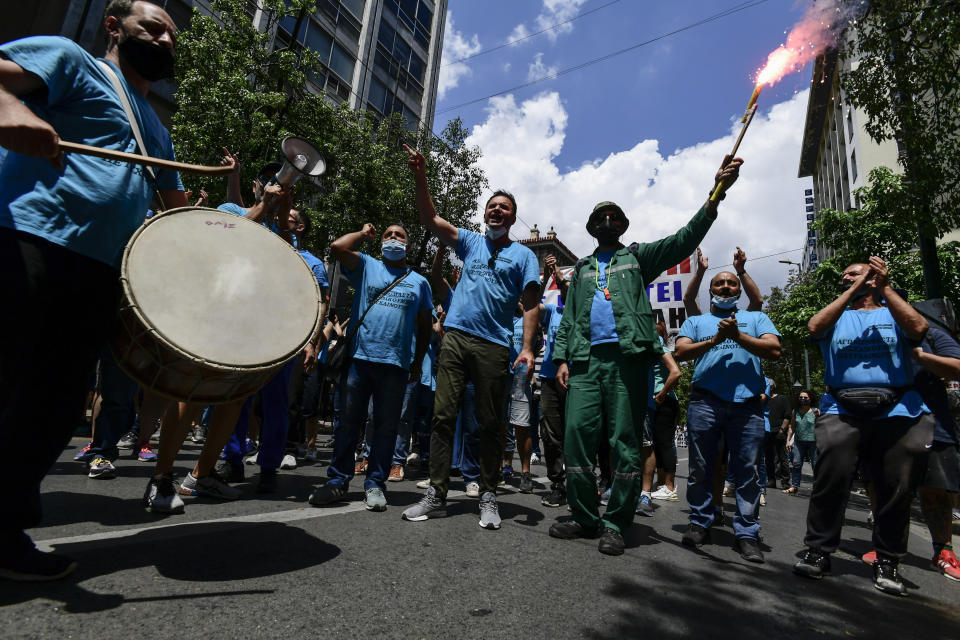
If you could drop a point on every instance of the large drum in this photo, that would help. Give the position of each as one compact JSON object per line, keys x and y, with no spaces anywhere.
{"x":214,"y":304}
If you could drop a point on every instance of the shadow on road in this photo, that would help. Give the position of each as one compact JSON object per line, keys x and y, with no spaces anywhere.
{"x":210,"y":552}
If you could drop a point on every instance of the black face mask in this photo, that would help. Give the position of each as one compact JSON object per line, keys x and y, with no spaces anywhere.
{"x":151,"y":61}
{"x":608,"y":231}
{"x":804,"y":400}
{"x":859,"y":294}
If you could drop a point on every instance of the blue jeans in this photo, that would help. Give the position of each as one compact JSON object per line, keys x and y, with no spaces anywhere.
{"x":741,"y":424}
{"x":408,"y":414}
{"x":116,"y":408}
{"x":276,"y":422}
{"x":384,"y":384}
{"x":802,"y":449}
{"x":466,"y":441}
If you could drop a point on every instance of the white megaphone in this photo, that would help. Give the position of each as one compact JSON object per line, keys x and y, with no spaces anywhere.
{"x":300,"y":158}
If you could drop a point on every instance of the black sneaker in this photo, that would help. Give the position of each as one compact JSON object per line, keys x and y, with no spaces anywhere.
{"x":695,"y":536}
{"x":813,"y":564}
{"x":526,"y":482}
{"x":572,"y":529}
{"x":34,"y":565}
{"x":749,"y":550}
{"x":611,"y":543}
{"x":128,"y":440}
{"x":555,"y":498}
{"x":227,"y":472}
{"x":886,"y":577}
{"x":268,"y":481}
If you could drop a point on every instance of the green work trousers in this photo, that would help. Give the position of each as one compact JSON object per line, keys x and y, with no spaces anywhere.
{"x":465,"y":357}
{"x":607,"y":396}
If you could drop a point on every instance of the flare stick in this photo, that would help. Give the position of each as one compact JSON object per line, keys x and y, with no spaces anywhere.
{"x":747,"y":119}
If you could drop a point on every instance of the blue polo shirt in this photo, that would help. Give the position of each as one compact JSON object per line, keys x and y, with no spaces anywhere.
{"x":94,"y":205}
{"x":727,"y":370}
{"x":490,"y":286}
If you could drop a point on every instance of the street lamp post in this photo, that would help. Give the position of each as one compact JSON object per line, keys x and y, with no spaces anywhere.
{"x":806,"y":355}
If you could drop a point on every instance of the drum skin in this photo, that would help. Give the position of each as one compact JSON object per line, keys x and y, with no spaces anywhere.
{"x":213,"y":305}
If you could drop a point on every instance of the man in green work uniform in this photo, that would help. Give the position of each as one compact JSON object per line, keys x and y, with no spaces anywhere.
{"x":609,"y":340}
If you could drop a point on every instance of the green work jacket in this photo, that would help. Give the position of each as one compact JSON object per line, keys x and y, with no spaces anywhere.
{"x":630,"y":270}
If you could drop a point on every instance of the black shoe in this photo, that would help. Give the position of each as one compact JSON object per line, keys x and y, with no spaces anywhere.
{"x":555,"y":498}
{"x":227,"y":472}
{"x":886,"y":577}
{"x":719,"y":520}
{"x":21,"y":561}
{"x":696,"y":536}
{"x":749,"y":550}
{"x":813,"y":564}
{"x":611,"y":543}
{"x":771,"y":484}
{"x":572,"y":529}
{"x":268,"y":481}
{"x":526,"y":482}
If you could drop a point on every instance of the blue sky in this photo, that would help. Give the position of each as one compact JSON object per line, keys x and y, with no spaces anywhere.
{"x":646,"y":127}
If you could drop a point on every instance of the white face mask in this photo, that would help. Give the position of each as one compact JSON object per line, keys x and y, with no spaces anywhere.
{"x":394,"y":250}
{"x":495,"y":233}
{"x":724,"y":303}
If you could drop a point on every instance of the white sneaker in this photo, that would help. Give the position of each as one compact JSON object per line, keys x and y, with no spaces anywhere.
{"x":534,"y":459}
{"x":763,"y":500}
{"x":413,"y":458}
{"x":662,"y":493}
{"x":288,"y":462}
{"x":161,"y":496}
{"x":473,"y":490}
{"x":250,"y":459}
{"x":209,"y":486}
{"x":423,"y":484}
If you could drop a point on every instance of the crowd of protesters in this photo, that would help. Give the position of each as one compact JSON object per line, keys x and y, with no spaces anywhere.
{"x":460,"y":376}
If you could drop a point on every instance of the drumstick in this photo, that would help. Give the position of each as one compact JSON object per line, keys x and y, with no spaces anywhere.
{"x":159,"y":163}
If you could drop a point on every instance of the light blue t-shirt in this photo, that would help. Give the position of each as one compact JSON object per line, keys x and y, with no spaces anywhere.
{"x":386,"y":334}
{"x":868,"y":349}
{"x":727,"y":370}
{"x":234,"y":208}
{"x":94,"y":205}
{"x":516,"y":342}
{"x":490,"y":286}
{"x":316,"y":266}
{"x":603,"y":329}
{"x":766,"y":405}
{"x":552,"y":316}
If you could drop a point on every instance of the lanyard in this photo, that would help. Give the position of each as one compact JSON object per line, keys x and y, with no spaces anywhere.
{"x":596,"y":278}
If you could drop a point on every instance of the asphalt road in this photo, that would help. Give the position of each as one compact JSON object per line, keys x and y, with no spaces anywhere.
{"x":277,"y":567}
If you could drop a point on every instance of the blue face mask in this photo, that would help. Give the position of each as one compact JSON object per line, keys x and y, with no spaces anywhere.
{"x":394,"y":250}
{"x":724,"y":303}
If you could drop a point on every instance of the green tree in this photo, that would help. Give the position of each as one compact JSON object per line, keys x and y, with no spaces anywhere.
{"x":905,"y":57}
{"x":239,"y":89}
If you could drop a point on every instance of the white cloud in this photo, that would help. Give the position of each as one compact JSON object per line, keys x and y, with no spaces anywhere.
{"x":763,"y":212}
{"x":519,"y":33}
{"x":538,"y":70}
{"x":455,"y":47}
{"x":552,"y":13}
{"x":555,"y":11}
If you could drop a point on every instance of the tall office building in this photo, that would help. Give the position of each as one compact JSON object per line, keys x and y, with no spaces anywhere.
{"x":381,"y":55}
{"x":836,"y":152}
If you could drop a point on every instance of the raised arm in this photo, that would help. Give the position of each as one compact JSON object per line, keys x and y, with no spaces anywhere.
{"x":440,"y":285}
{"x":690,"y":303}
{"x":746,"y":282}
{"x":234,"y":193}
{"x":446,"y":232}
{"x":345,"y":247}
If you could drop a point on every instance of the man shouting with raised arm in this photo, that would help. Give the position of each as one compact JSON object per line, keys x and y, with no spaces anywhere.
{"x":497,"y":272}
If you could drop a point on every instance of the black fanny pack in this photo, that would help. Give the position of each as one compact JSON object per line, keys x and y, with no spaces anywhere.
{"x":868,"y":402}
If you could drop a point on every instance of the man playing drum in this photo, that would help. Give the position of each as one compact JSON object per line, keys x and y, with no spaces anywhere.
{"x":64,"y":223}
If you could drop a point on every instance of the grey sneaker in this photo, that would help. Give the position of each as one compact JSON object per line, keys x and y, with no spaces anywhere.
{"x":161,"y":496}
{"x":489,"y":514}
{"x":526,"y":482}
{"x":428,"y":506}
{"x":325,"y":494}
{"x":210,"y":486}
{"x":375,"y":500}
{"x":473,"y":490}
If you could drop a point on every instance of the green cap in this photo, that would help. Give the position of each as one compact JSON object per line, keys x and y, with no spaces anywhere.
{"x":606,"y":205}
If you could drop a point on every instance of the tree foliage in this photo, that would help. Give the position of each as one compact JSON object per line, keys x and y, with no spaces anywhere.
{"x":905,"y":75}
{"x":238,"y":88}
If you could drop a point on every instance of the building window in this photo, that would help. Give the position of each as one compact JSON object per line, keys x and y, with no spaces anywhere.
{"x":415,"y":15}
{"x":332,"y":56}
{"x":399,"y":62}
{"x":853,"y":165}
{"x":384,"y":102}
{"x":850,"y":124}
